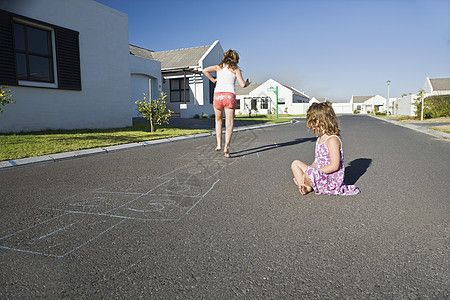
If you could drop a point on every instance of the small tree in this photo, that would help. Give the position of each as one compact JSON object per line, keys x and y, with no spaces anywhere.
{"x":5,"y":97}
{"x":154,"y":110}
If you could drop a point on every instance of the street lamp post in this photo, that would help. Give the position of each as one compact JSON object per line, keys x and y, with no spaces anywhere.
{"x":387,"y":106}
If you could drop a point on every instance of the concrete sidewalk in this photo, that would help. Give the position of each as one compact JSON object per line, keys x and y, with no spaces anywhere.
{"x":187,"y":123}
{"x":422,"y":127}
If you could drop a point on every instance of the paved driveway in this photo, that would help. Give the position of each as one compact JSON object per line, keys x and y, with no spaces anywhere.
{"x":178,"y":220}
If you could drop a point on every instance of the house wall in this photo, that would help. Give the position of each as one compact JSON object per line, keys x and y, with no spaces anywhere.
{"x":145,"y":78}
{"x":406,"y":105}
{"x":103,"y":101}
{"x":342,"y":108}
{"x":212,"y":57}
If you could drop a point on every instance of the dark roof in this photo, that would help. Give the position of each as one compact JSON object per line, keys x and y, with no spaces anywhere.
{"x":361,"y":99}
{"x":172,"y":59}
{"x":440,"y":84}
{"x":246,"y":90}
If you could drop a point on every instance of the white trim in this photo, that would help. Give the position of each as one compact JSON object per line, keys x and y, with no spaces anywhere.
{"x":200,"y":61}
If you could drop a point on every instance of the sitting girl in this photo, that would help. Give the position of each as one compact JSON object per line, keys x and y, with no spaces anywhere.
{"x":326,"y":174}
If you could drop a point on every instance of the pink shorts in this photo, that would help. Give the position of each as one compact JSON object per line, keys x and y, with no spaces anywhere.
{"x":224,"y":100}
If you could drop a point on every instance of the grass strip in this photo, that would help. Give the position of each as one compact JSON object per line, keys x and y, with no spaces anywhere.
{"x":442,"y":128}
{"x":29,"y":144}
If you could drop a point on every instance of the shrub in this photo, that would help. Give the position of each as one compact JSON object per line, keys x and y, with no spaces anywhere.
{"x":154,"y":110}
{"x":356,"y":111}
{"x":5,"y":97}
{"x":434,"y":106}
{"x":204,"y":116}
{"x":196,"y":116}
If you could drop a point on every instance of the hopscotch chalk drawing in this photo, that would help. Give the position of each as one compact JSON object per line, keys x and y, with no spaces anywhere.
{"x":85,"y":217}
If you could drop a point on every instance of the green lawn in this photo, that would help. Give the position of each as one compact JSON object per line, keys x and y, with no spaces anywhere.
{"x":20,"y":145}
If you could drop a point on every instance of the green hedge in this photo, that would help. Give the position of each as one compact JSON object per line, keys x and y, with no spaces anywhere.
{"x":434,"y":107}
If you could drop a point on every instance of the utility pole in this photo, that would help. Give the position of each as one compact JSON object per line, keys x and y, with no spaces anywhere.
{"x":387,"y":105}
{"x":421,"y":100}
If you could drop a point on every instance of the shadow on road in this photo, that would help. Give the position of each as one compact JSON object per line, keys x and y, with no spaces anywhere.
{"x":356,"y":169}
{"x":270,"y":147}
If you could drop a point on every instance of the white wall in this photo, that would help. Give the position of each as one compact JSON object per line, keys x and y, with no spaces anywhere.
{"x":342,"y":108}
{"x":145,"y":78}
{"x":104,"y":100}
{"x":213,"y":56}
{"x":405,"y":105}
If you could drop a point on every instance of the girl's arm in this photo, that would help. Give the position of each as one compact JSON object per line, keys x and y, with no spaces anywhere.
{"x":334,"y":147}
{"x":241,"y":81}
{"x":207,"y":72}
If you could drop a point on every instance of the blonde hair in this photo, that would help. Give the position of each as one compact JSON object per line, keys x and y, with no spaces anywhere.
{"x":230,"y":58}
{"x":322,"y":119}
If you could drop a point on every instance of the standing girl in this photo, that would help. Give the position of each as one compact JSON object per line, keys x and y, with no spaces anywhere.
{"x":326,"y":174}
{"x":225,"y":95}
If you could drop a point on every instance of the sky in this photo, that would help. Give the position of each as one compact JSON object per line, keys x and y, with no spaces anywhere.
{"x":325,"y":48}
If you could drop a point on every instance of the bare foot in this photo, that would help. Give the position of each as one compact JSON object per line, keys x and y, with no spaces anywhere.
{"x":227,"y":153}
{"x":304,"y":189}
{"x":218,"y":148}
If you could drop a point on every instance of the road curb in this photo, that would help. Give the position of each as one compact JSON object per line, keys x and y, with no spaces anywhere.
{"x":8,"y":164}
{"x":416,"y":128}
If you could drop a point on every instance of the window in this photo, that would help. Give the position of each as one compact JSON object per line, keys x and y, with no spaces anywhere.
{"x":253,"y":104}
{"x":34,"y":53}
{"x":177,"y":90}
{"x":264,"y":103}
{"x":34,"y":56}
{"x":238,"y":103}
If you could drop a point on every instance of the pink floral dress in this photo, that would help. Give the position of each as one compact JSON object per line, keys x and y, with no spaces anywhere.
{"x":333,"y":183}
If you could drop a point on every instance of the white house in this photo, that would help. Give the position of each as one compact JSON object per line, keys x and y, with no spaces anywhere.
{"x":317,"y":100}
{"x":189,"y":92}
{"x":436,"y":86}
{"x":405,"y":106}
{"x":262,"y":97}
{"x":366,"y":104}
{"x":65,"y":68}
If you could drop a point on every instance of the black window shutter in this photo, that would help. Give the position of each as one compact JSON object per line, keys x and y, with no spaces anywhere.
{"x":7,"y":57}
{"x":68,"y":59}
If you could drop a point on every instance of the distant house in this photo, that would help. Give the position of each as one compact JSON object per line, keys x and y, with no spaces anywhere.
{"x":317,"y":100}
{"x":405,"y":106}
{"x":436,"y":86}
{"x":261,"y":97}
{"x":65,"y":68}
{"x":366,"y":104}
{"x":189,"y":92}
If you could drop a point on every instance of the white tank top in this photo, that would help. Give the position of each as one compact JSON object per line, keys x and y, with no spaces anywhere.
{"x":225,"y":81}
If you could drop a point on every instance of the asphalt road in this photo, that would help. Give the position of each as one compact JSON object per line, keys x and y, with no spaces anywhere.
{"x":180,"y":221}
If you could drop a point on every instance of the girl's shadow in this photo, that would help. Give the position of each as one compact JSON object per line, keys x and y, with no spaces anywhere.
{"x":245,"y":152}
{"x":356,"y":169}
